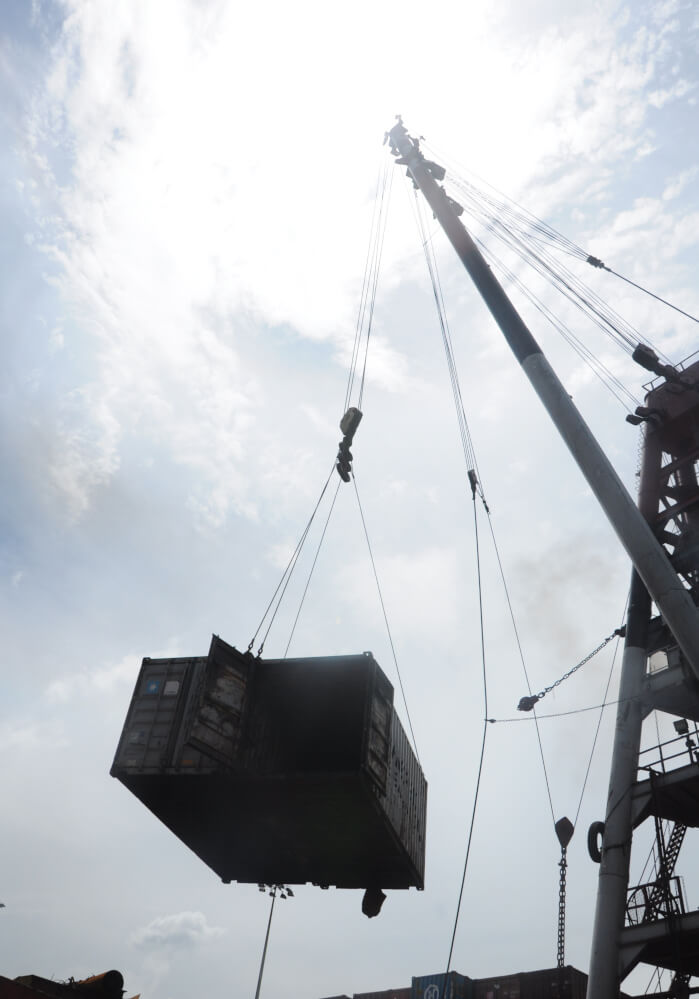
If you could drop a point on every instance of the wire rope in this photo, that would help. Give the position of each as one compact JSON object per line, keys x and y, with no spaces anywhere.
{"x":564,"y":280}
{"x":367,"y":302}
{"x":535,"y":717}
{"x":599,"y":369}
{"x":433,"y":271}
{"x":310,"y":574}
{"x":559,"y":714}
{"x":383,"y":218}
{"x":469,"y":454}
{"x":542,"y":233}
{"x":596,"y":365}
{"x":366,"y":280}
{"x":286,"y":575}
{"x":476,"y":486}
{"x":652,"y":294}
{"x":385,"y":617}
{"x":599,"y":724}
{"x":482,"y":752}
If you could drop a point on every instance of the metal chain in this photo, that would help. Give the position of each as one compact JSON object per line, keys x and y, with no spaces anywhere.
{"x":527,"y":703}
{"x":563,"y":864}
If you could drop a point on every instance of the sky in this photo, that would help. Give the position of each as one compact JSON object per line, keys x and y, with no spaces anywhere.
{"x":187,"y":197}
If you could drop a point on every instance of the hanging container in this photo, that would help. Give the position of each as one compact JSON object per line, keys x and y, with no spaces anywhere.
{"x":278,"y":771}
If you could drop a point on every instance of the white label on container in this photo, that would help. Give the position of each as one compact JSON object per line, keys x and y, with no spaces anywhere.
{"x":171,"y":688}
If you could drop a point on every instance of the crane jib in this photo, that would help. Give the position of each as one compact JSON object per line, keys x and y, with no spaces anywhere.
{"x":643,"y":548}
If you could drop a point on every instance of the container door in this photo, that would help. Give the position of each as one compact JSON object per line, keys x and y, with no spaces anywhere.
{"x":218,"y":706}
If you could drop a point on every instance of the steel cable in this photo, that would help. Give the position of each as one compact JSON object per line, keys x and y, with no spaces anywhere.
{"x":286,"y":575}
{"x":385,"y":617}
{"x":479,"y":774}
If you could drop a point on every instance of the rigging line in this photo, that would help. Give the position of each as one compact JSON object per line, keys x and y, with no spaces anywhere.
{"x":366,"y":281}
{"x":385,"y":617}
{"x":383,"y":220}
{"x":564,"y":280}
{"x":510,"y":204}
{"x":599,"y":722}
{"x":528,"y":223}
{"x":483,"y":741}
{"x":561,"y":714}
{"x":363,"y":295}
{"x":466,"y":441}
{"x":651,"y":293}
{"x":469,"y":448}
{"x":288,"y":571}
{"x":360,"y":311}
{"x":609,"y":315}
{"x":535,"y":717}
{"x":599,"y":369}
{"x":548,"y":266}
{"x":310,"y":574}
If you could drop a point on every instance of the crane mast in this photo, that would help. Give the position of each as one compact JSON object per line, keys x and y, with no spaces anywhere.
{"x":661,"y":538}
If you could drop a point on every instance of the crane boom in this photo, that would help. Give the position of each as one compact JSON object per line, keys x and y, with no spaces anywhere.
{"x":646,"y":553}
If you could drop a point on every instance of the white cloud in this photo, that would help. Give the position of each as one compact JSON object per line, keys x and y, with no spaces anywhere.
{"x":184,"y":203}
{"x":181,"y":930}
{"x":24,"y":736}
{"x":677,"y":185}
{"x":85,"y":447}
{"x":98,"y":682}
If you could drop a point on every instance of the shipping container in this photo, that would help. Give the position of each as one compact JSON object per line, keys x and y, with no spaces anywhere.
{"x":278,"y":771}
{"x":451,"y":986}
{"x":10,"y":989}
{"x":386,"y":994}
{"x":551,"y":983}
{"x":109,"y":985}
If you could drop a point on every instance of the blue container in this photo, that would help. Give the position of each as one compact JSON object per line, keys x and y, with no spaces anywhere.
{"x":451,"y":986}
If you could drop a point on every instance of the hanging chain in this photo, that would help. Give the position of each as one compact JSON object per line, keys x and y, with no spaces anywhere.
{"x":563,"y":864}
{"x":527,"y":703}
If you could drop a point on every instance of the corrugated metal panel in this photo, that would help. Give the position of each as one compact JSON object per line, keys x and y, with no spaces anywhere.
{"x":502,"y":987}
{"x":386,"y":994}
{"x":556,"y":983}
{"x":549,"y":983}
{"x":376,"y":751}
{"x":453,"y":986}
{"x":151,"y":741}
{"x":217,"y":710}
{"x":308,"y":774}
{"x":405,"y":801}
